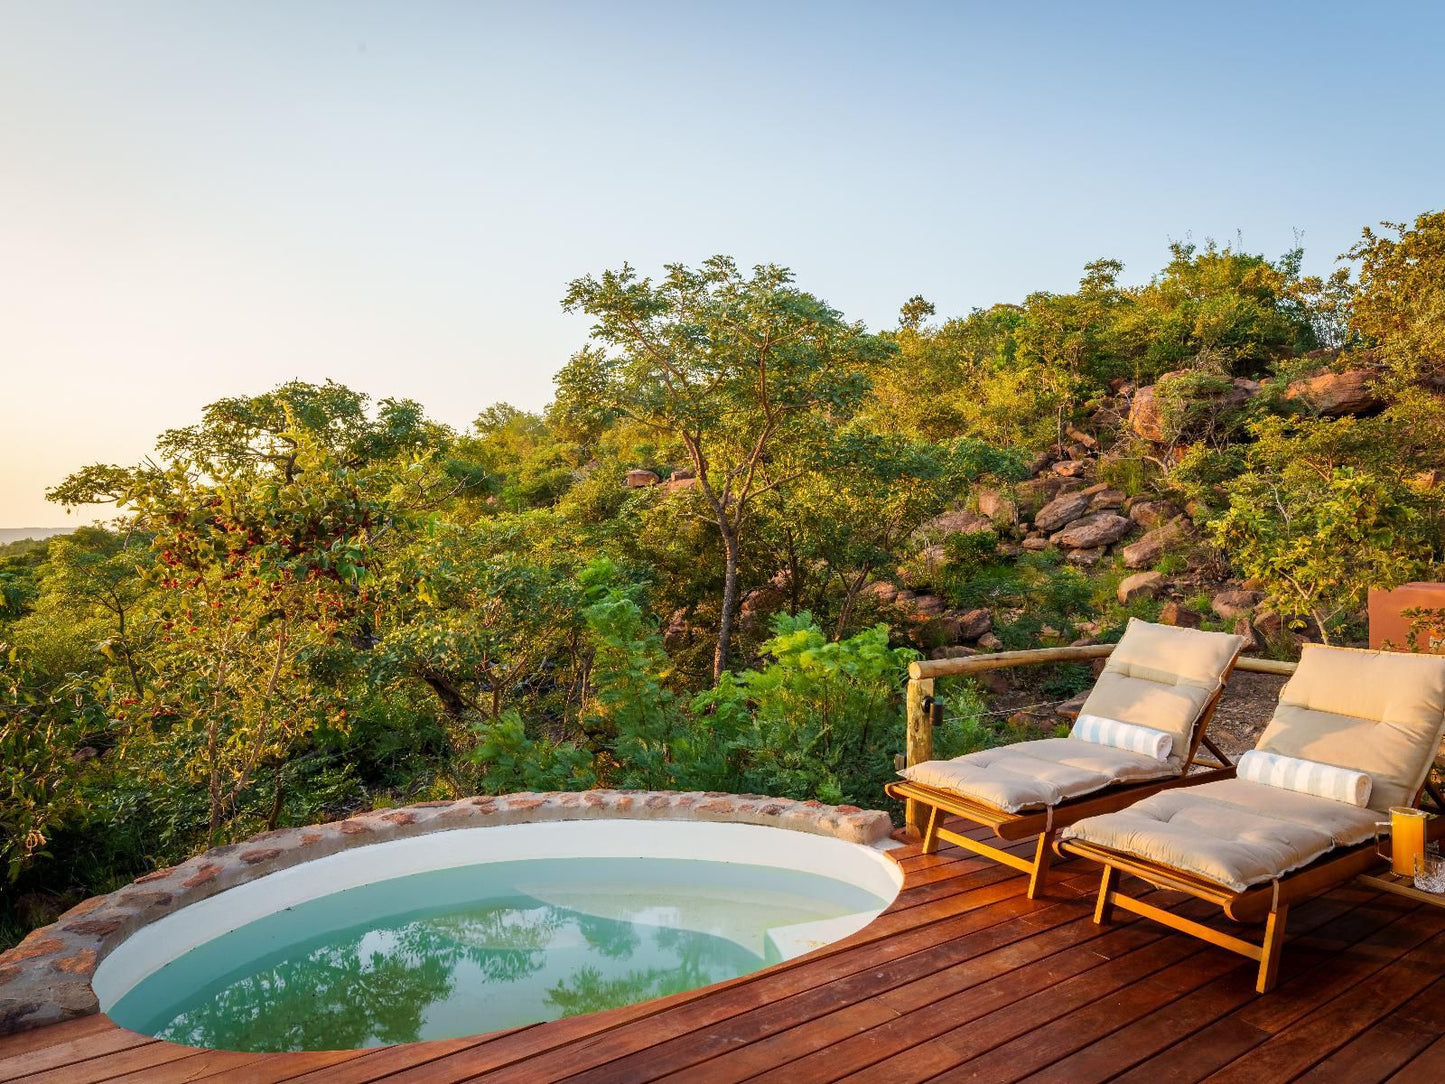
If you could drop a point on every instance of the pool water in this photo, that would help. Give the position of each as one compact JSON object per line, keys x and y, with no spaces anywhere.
{"x":482,"y":947}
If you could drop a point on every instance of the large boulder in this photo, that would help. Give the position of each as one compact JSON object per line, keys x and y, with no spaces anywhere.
{"x":997,"y":507}
{"x":1147,"y":550}
{"x":1140,"y":585}
{"x":1104,"y":499}
{"x":927,"y":606}
{"x":1087,"y":557}
{"x":641,"y":479}
{"x":881,"y":590}
{"x":1171,"y":613}
{"x":1092,"y":532}
{"x":1235,"y":602}
{"x":1146,"y":416}
{"x":1071,"y":468}
{"x":759,"y":602}
{"x":975,"y":623}
{"x":1146,"y":413}
{"x":1334,"y":394}
{"x":1061,"y":510}
{"x":1151,"y":514}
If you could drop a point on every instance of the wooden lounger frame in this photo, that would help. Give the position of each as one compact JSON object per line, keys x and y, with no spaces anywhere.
{"x":1044,"y":823}
{"x":1268,"y":902}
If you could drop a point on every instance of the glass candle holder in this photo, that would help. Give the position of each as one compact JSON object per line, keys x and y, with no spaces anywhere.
{"x":1430,"y":872}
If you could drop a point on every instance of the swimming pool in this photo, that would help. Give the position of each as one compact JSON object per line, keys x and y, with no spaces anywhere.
{"x":476,"y":930}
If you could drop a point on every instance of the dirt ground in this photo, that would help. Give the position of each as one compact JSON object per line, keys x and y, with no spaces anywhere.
{"x":1244,"y":709}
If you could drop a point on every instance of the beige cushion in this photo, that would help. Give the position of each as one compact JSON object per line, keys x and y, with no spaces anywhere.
{"x":1374,"y":711}
{"x":1033,"y":774}
{"x":1161,"y":676}
{"x":1232,"y":832}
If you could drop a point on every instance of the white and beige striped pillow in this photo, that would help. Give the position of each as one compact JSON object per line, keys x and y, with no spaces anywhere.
{"x":1134,"y":738}
{"x":1305,"y":776}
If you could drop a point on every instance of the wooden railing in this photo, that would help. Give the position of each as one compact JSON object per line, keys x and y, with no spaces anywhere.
{"x":924,"y":712}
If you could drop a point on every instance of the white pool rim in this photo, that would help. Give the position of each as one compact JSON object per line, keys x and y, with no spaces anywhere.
{"x":153,"y":946}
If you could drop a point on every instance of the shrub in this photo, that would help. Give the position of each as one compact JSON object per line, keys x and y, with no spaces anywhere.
{"x":822,"y":719}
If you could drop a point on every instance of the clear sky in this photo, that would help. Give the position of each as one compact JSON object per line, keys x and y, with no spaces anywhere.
{"x":205,"y":199}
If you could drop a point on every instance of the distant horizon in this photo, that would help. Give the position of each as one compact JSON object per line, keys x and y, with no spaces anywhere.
{"x":209,"y":202}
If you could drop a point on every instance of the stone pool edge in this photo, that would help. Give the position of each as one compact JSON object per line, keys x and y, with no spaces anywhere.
{"x":47,"y":977}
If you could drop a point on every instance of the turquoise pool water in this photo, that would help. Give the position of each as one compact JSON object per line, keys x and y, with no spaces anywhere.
{"x":478,"y":948}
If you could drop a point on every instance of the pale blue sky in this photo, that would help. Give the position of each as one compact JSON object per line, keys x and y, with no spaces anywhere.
{"x":203,"y":199}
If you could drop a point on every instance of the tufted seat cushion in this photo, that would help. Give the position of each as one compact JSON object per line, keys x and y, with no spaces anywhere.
{"x":1161,"y":676}
{"x":1377,"y":712}
{"x":1034,"y":774}
{"x":1234,"y":833}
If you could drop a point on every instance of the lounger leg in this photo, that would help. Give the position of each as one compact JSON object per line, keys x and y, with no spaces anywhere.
{"x":1104,"y":909}
{"x":1273,"y":943}
{"x":1042,"y":857}
{"x":930,"y":831}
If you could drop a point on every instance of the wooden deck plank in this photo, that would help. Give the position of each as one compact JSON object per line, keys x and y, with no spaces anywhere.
{"x":1013,"y":1060}
{"x":22,"y":1042}
{"x":1160,"y":1033}
{"x":962,"y":978}
{"x":959,"y":1044}
{"x":815,"y":1050}
{"x":383,"y":1062}
{"x":1373,"y":1056}
{"x":1304,"y":1044}
{"x":1390,"y":933}
{"x":71,"y":1052}
{"x":146,"y":1058}
{"x":1429,"y":1064}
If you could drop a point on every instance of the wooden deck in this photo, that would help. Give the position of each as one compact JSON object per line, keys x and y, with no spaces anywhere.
{"x":962,"y":979}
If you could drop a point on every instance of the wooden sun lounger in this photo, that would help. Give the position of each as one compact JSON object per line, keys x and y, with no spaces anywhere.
{"x":1045,"y":823}
{"x":1269,"y":903}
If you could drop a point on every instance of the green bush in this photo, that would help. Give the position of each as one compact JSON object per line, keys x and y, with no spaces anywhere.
{"x":821,"y":719}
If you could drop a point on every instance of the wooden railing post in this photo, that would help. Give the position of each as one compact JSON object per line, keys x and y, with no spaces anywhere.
{"x":919,"y":742}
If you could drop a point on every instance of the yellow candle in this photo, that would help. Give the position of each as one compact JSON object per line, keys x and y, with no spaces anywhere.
{"x":1407,"y":838}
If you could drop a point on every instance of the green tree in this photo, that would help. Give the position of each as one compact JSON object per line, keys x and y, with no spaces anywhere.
{"x":1322,"y":514}
{"x":41,"y":728}
{"x":1399,"y":305}
{"x":746,"y":375}
{"x":104,"y":572}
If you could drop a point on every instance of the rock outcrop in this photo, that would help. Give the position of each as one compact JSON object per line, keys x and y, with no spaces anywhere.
{"x":1061,"y":511}
{"x":1336,"y":394}
{"x":1140,"y":585}
{"x":1147,"y":550}
{"x":1092,"y":532}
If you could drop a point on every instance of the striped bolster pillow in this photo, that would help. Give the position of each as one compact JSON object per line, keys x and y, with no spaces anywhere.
{"x":1305,"y":776}
{"x":1136,"y":739}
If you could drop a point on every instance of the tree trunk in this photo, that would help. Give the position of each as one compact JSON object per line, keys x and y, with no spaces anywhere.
{"x":850,"y":598}
{"x":453,"y":702}
{"x":729,"y":603}
{"x":278,"y":794}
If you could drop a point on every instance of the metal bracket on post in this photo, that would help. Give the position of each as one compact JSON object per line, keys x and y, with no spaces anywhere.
{"x":919,"y":738}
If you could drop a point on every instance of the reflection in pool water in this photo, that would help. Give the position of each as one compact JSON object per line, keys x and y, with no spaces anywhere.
{"x":469,"y":950}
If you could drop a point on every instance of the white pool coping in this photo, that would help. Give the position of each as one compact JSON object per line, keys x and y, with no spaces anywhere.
{"x":153,"y":946}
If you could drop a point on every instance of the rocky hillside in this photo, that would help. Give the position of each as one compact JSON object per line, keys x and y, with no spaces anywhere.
{"x":1145,"y":553}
